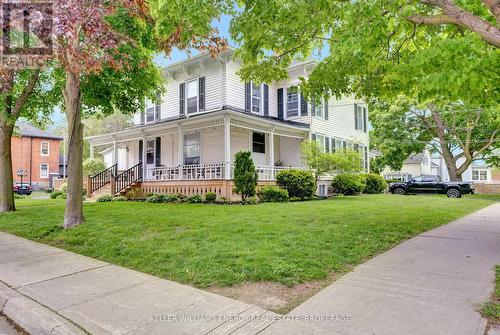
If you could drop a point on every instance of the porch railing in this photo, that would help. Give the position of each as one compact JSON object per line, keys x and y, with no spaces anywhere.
{"x":207,"y":172}
{"x":127,"y":178}
{"x":102,"y":178}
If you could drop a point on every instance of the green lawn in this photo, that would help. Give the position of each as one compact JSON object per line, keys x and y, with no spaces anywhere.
{"x":491,"y":309}
{"x":206,"y":245}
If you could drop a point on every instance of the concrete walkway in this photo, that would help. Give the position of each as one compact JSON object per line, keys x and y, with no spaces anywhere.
{"x":431,"y":284}
{"x":427,"y":285}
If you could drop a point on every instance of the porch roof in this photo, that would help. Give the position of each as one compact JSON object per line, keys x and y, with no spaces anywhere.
{"x":171,"y":125}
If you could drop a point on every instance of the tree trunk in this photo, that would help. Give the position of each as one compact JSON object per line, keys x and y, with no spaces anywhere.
{"x":6,"y":181}
{"x":73,"y":214}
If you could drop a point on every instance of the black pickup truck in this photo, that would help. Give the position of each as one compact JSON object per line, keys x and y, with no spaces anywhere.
{"x":431,"y":184}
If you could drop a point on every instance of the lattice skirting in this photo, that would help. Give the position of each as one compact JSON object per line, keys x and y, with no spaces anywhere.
{"x":223,"y":188}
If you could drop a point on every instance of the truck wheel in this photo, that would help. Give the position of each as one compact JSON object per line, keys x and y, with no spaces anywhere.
{"x":453,"y":193}
{"x":398,"y":191}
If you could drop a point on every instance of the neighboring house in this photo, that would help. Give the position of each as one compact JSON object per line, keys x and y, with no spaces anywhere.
{"x":36,"y":153}
{"x":415,"y":165}
{"x":426,"y":164}
{"x":186,"y":141}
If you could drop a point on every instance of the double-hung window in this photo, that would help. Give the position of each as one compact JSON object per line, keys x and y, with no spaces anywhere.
{"x":256,"y":98}
{"x":292,"y":102}
{"x":259,"y":143}
{"x":44,"y":170}
{"x":192,"y":96}
{"x":192,"y":148}
{"x":150,"y":114}
{"x":359,"y":118}
{"x":478,"y":175}
{"x":150,"y":152}
{"x":319,"y":109}
{"x":44,"y":148}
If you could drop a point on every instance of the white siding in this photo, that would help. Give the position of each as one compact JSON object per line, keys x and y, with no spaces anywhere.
{"x":212,"y":145}
{"x":235,"y":87}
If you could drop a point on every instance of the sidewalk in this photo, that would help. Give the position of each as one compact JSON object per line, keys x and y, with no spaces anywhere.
{"x":431,"y":284}
{"x":427,"y":285}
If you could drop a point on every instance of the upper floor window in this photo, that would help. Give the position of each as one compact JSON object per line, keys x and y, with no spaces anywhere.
{"x":44,"y":170}
{"x":259,"y":143}
{"x":192,"y":96}
{"x":318,"y":108}
{"x":256,"y":98}
{"x":292,"y":102}
{"x":44,"y":148}
{"x":359,"y":117}
{"x":150,"y":114}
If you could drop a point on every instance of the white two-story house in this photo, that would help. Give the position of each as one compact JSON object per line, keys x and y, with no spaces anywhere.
{"x":186,"y":140}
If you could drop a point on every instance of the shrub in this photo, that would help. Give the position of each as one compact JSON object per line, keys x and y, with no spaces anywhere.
{"x":119,"y":198}
{"x":64,"y":187}
{"x":105,"y":198}
{"x":62,"y":195}
{"x":348,"y":184}
{"x":195,"y":199}
{"x":18,"y":196}
{"x":374,"y":183}
{"x":245,"y":176}
{"x":92,"y":166}
{"x":135,"y":193}
{"x":250,"y":201}
{"x":298,"y":183}
{"x":170,"y":198}
{"x":272,"y":194}
{"x":55,"y":194}
{"x":210,"y":197}
{"x":181,"y":198}
{"x":155,"y":198}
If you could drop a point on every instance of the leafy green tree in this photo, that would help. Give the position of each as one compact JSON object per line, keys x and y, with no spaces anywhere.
{"x":245,"y":175}
{"x":92,"y":166}
{"x":30,"y":94}
{"x":320,"y":163}
{"x":440,"y":53}
{"x":460,"y":134}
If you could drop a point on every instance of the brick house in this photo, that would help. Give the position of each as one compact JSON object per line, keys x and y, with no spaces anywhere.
{"x":36,"y":152}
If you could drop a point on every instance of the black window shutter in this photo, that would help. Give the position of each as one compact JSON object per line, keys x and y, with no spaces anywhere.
{"x":364,"y":120}
{"x":158,"y":152}
{"x":280,"y":104}
{"x":303,"y":106}
{"x":140,"y":151}
{"x":326,"y":108}
{"x":313,"y":137}
{"x":327,"y":144}
{"x":356,"y":117}
{"x":158,"y":107}
{"x":266,"y":100}
{"x":201,"y":96}
{"x":182,"y":92}
{"x":247,"y":97}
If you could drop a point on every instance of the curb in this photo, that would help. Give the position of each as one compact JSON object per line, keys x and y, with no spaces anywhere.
{"x":33,"y":317}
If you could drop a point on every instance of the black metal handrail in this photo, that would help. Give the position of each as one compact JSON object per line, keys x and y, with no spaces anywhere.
{"x":102,"y":178}
{"x":128,"y":177}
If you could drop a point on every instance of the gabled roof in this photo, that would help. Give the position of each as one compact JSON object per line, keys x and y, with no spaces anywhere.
{"x":25,"y":129}
{"x":415,"y":159}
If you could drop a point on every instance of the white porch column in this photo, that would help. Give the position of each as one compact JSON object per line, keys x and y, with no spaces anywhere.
{"x":227,"y":147}
{"x":180,"y":150}
{"x":144,"y":147}
{"x":115,"y":151}
{"x":271,"y":152}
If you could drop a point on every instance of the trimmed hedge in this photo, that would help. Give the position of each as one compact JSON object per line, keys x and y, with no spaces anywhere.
{"x":105,"y":198}
{"x":348,"y":184}
{"x":210,"y":197}
{"x":298,"y":183}
{"x":374,"y":183}
{"x":273,"y":194}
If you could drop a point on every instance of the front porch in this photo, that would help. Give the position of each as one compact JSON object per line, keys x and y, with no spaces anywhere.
{"x":196,"y":155}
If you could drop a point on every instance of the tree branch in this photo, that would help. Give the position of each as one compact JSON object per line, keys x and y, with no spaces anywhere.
{"x":452,"y":14}
{"x":28,"y":89}
{"x":494,"y":7}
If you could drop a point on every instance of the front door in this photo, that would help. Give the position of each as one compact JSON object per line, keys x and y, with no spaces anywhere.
{"x":150,"y":153}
